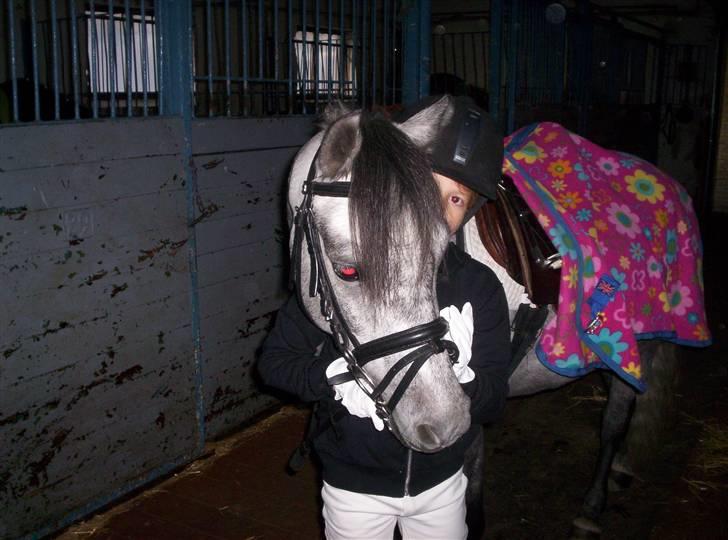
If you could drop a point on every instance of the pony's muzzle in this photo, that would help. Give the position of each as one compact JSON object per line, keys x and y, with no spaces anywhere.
{"x":428,"y":436}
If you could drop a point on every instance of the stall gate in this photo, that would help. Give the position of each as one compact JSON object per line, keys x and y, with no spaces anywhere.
{"x":144,"y":149}
{"x":538,"y":60}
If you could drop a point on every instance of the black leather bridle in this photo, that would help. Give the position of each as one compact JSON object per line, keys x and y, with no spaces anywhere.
{"x":425,"y":338}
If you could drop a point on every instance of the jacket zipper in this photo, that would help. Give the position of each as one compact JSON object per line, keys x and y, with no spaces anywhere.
{"x":409,"y":472}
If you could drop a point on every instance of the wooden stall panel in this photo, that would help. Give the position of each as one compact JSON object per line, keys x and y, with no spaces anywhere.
{"x":242,"y":171}
{"x":97,"y":376}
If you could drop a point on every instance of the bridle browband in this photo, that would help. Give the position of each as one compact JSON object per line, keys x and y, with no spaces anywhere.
{"x":426,"y":339}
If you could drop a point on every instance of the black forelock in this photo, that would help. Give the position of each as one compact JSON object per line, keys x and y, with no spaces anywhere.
{"x":392,"y":184}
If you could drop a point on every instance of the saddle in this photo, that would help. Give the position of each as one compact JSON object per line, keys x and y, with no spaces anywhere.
{"x":512,"y":235}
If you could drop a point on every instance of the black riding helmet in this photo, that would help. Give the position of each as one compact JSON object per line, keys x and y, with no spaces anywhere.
{"x":468,"y":147}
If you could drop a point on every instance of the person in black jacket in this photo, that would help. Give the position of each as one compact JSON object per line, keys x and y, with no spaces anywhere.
{"x":371,"y":481}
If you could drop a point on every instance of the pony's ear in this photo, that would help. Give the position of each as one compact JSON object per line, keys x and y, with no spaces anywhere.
{"x":334,"y":111}
{"x":339,"y":147}
{"x":422,"y":128}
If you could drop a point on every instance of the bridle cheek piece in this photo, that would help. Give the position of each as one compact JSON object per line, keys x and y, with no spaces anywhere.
{"x":425,"y":339}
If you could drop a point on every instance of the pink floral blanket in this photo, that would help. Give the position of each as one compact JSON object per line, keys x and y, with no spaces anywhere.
{"x":630,"y":245}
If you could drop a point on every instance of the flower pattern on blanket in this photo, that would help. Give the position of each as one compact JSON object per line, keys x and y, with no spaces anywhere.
{"x":630,"y":246}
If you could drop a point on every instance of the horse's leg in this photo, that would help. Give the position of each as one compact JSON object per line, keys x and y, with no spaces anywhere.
{"x":615,"y":421}
{"x":473,"y":470}
{"x":654,"y":412}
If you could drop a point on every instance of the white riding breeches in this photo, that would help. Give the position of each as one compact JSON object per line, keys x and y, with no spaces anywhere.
{"x":435,"y":514}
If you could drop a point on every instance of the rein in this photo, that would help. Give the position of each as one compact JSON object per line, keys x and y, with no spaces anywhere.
{"x":427,"y":338}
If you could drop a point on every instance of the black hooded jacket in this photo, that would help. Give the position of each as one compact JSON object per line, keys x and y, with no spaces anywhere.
{"x":355,"y":456}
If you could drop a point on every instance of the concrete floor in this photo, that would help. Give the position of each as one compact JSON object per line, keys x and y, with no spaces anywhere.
{"x":240,"y":491}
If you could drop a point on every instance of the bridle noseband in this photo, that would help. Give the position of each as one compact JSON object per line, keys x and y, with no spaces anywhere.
{"x":426,"y":339}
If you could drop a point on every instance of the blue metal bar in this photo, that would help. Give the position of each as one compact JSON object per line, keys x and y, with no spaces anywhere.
{"x":244,"y":22}
{"x":135,"y":55}
{"x":485,"y":59}
{"x":291,"y":56}
{"x":227,"y":58}
{"x":329,"y":74}
{"x":129,"y":57}
{"x":74,"y":60}
{"x":316,"y":55}
{"x":13,"y":66}
{"x":385,"y":49}
{"x":145,"y":53}
{"x":453,"y":53}
{"x":513,"y":65}
{"x":187,"y":103}
{"x":425,"y":46}
{"x":34,"y":38}
{"x":276,"y":60}
{"x":176,"y":79}
{"x":261,"y":23}
{"x":304,"y":47}
{"x":94,"y":63}
{"x":417,"y":51}
{"x":363,"y":51}
{"x":373,"y":42}
{"x":342,"y":50}
{"x":208,"y":32}
{"x":174,"y":20}
{"x":112,"y":59}
{"x":356,"y":71}
{"x":54,"y":55}
{"x":473,"y":55}
{"x":160,"y":29}
{"x":461,"y":36}
{"x":494,"y":59}
{"x":394,"y":51}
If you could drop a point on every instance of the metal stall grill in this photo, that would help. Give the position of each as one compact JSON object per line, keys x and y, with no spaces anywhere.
{"x":590,"y":74}
{"x":272,"y":57}
{"x":688,"y":75}
{"x":460,"y":63}
{"x":73,"y":60}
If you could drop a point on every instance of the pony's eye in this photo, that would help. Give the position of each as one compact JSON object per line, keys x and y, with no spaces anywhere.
{"x":347,"y":272}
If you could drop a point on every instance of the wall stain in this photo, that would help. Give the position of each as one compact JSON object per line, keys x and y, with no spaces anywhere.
{"x":160,"y":340}
{"x":118,"y":288}
{"x":39,"y":468}
{"x":128,"y":374}
{"x":47,"y":329}
{"x":212,"y":164}
{"x":17,"y":213}
{"x":94,"y":277}
{"x":204,"y":211}
{"x":14,"y":419}
{"x":169,"y":245}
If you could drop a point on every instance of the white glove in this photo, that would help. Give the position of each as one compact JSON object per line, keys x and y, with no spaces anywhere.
{"x":352,"y":397}
{"x":461,"y":333}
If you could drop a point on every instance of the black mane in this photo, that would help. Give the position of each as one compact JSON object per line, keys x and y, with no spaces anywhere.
{"x":392,"y":185}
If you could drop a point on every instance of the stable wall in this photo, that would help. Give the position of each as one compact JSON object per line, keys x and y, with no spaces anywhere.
{"x":138,"y":277}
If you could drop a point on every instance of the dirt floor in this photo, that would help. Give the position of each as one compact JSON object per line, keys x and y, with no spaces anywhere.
{"x":539,"y":462}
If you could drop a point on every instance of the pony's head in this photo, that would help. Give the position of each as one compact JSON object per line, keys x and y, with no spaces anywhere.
{"x":381,"y":247}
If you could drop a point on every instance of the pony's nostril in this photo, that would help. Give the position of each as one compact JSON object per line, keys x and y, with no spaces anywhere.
{"x":428,"y":435}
